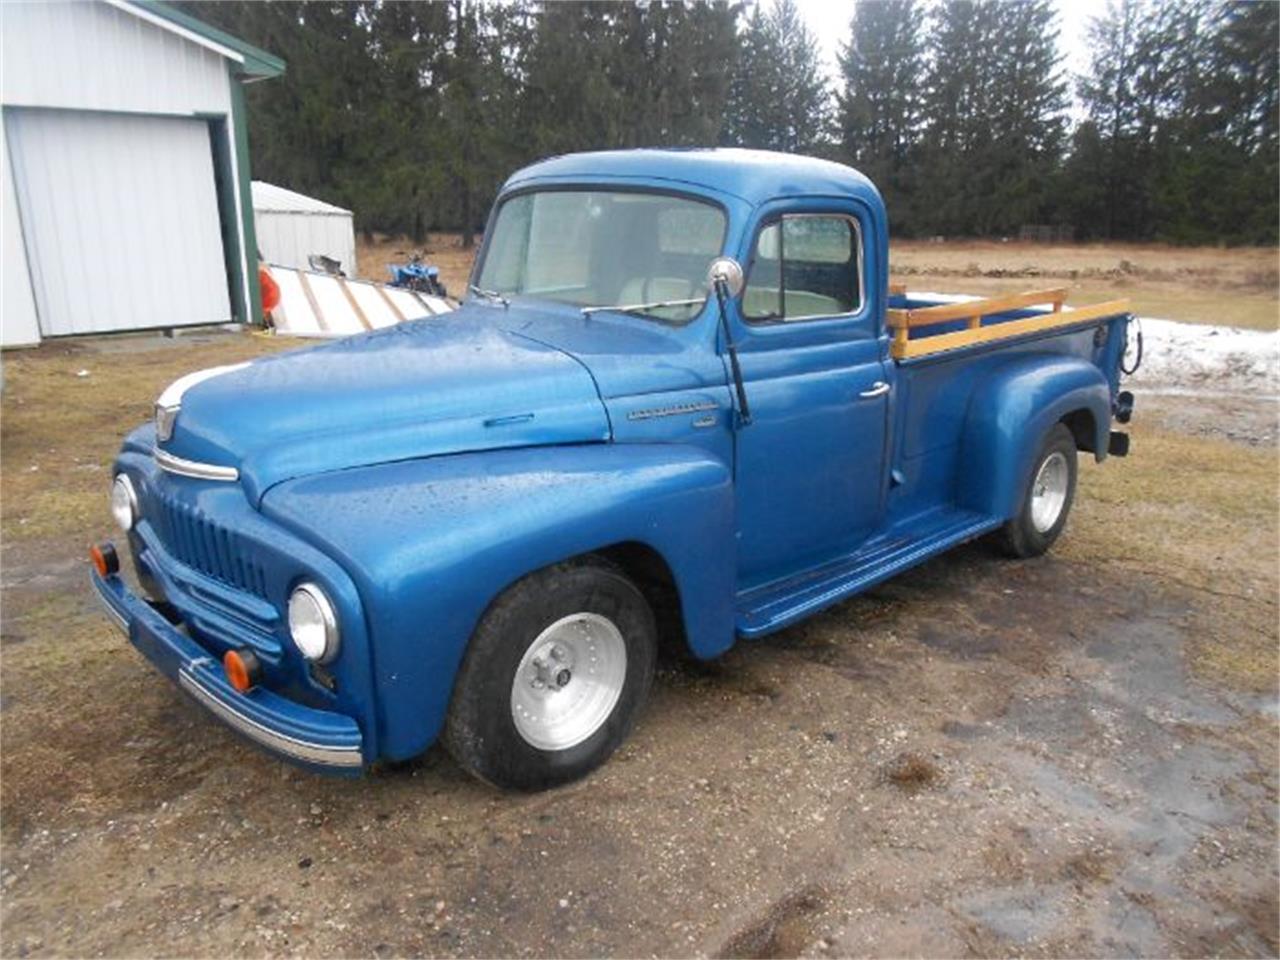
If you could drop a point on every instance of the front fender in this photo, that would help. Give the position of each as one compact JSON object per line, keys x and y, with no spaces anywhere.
{"x":430,"y":544}
{"x":1008,"y":415}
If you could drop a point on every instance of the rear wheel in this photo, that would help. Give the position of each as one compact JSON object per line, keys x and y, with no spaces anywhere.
{"x":1046,"y":502}
{"x":554,"y":677}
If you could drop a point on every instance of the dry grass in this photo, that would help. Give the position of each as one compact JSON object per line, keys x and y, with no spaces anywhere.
{"x":1198,"y":514}
{"x":1240,"y":266}
{"x":1088,"y":867}
{"x":61,"y":431}
{"x":1237,"y":287}
{"x":1200,"y":509}
{"x":911,"y":772}
{"x":67,"y":405}
{"x":444,"y":250}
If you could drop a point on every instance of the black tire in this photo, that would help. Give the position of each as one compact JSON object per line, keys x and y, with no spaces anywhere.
{"x":1020,"y":537}
{"x":481,"y":732}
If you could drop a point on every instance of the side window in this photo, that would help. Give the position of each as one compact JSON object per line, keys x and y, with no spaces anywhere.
{"x":804,"y":267}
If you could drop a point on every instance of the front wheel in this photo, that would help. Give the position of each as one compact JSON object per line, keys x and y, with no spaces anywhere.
{"x":554,"y":677}
{"x":1050,"y":490}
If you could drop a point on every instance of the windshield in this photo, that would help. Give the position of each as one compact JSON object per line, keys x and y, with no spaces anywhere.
{"x":597,"y":248}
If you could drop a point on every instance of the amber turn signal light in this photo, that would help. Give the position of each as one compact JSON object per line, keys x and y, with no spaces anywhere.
{"x":105,"y":559}
{"x":243,"y":669}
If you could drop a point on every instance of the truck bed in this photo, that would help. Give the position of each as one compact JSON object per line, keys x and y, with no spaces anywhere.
{"x":925,"y":324}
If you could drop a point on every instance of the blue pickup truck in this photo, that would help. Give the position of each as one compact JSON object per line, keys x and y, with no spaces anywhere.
{"x":681,"y":402}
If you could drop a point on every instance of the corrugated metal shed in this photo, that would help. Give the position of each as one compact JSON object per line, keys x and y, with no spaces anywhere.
{"x":292,"y":227}
{"x":124,"y":169}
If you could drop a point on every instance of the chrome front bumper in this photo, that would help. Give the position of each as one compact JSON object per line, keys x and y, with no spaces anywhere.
{"x":316,"y":738}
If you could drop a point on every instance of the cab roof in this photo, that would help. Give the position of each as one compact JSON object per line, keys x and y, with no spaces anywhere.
{"x":756,"y":176}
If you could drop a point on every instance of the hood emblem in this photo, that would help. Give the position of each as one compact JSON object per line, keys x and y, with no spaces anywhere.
{"x":676,"y":411}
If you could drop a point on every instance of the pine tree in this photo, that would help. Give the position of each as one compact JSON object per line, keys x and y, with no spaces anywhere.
{"x":398,"y":185}
{"x":956,"y":107}
{"x":1234,"y":189}
{"x":778,"y":96}
{"x":1151,"y":97}
{"x":1027,"y":104}
{"x":746,"y":120}
{"x":881,"y":100}
{"x":995,"y":115}
{"x":412,"y":114}
{"x":570,"y":102}
{"x":1109,"y":94}
{"x":669,"y":70}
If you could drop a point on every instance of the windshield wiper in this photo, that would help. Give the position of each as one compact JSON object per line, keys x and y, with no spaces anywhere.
{"x":489,"y":295}
{"x":642,"y":307}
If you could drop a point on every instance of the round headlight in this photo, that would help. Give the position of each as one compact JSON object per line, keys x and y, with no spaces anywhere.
{"x":124,"y":502}
{"x":313,"y":624}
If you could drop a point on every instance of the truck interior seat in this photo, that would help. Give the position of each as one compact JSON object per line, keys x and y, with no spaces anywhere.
{"x":654,"y":289}
{"x":764,"y":301}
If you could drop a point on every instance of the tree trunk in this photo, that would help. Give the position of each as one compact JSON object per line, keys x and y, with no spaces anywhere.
{"x":468,"y":222}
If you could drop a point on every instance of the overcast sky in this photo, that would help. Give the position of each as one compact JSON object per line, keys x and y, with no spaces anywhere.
{"x":829,"y":20}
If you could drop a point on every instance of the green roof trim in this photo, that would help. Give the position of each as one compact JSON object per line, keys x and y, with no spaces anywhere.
{"x":257,"y":62}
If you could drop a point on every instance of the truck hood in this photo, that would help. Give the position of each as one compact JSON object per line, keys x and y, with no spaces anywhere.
{"x":434,"y":386}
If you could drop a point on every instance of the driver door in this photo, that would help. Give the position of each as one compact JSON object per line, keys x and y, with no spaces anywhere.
{"x":810,"y":466}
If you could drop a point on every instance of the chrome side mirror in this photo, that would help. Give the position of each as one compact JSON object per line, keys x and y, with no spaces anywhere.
{"x":729,"y":271}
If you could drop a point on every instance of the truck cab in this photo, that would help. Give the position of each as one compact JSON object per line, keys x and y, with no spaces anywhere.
{"x":681,"y":401}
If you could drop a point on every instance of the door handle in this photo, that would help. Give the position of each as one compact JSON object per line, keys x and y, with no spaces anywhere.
{"x":877,"y":389}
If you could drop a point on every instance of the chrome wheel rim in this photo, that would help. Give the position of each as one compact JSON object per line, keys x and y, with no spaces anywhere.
{"x":1049,"y":492}
{"x":568,"y":682}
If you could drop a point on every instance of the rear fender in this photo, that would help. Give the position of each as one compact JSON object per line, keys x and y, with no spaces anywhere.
{"x":1008,"y":415}
{"x":431,"y":543}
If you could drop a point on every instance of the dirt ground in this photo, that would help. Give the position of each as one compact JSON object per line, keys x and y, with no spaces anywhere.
{"x":1076,"y":755}
{"x":1232,"y":286}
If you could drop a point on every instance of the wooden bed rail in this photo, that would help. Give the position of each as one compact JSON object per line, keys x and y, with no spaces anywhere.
{"x":904,"y":321}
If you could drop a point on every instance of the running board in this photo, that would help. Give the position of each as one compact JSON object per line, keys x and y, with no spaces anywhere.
{"x":776,"y":605}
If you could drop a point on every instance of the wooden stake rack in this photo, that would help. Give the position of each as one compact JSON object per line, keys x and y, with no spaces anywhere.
{"x":903,"y":322}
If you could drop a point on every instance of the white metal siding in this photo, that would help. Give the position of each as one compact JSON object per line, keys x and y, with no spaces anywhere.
{"x":288,"y":239}
{"x":87,"y":55}
{"x":18,"y":326}
{"x":120,"y":219}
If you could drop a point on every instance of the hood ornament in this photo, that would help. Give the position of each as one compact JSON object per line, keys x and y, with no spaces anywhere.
{"x":166,"y":417}
{"x":170,"y":401}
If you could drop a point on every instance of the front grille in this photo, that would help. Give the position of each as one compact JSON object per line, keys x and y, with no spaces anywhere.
{"x":200,"y":543}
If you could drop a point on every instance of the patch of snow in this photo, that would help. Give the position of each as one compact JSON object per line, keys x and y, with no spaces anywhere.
{"x":1209,"y":359}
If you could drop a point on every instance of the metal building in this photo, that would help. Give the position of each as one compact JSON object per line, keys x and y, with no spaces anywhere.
{"x":291,"y":227}
{"x":124,"y":168}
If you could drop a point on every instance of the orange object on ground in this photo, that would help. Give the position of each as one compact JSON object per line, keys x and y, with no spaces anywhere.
{"x":270,"y":289}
